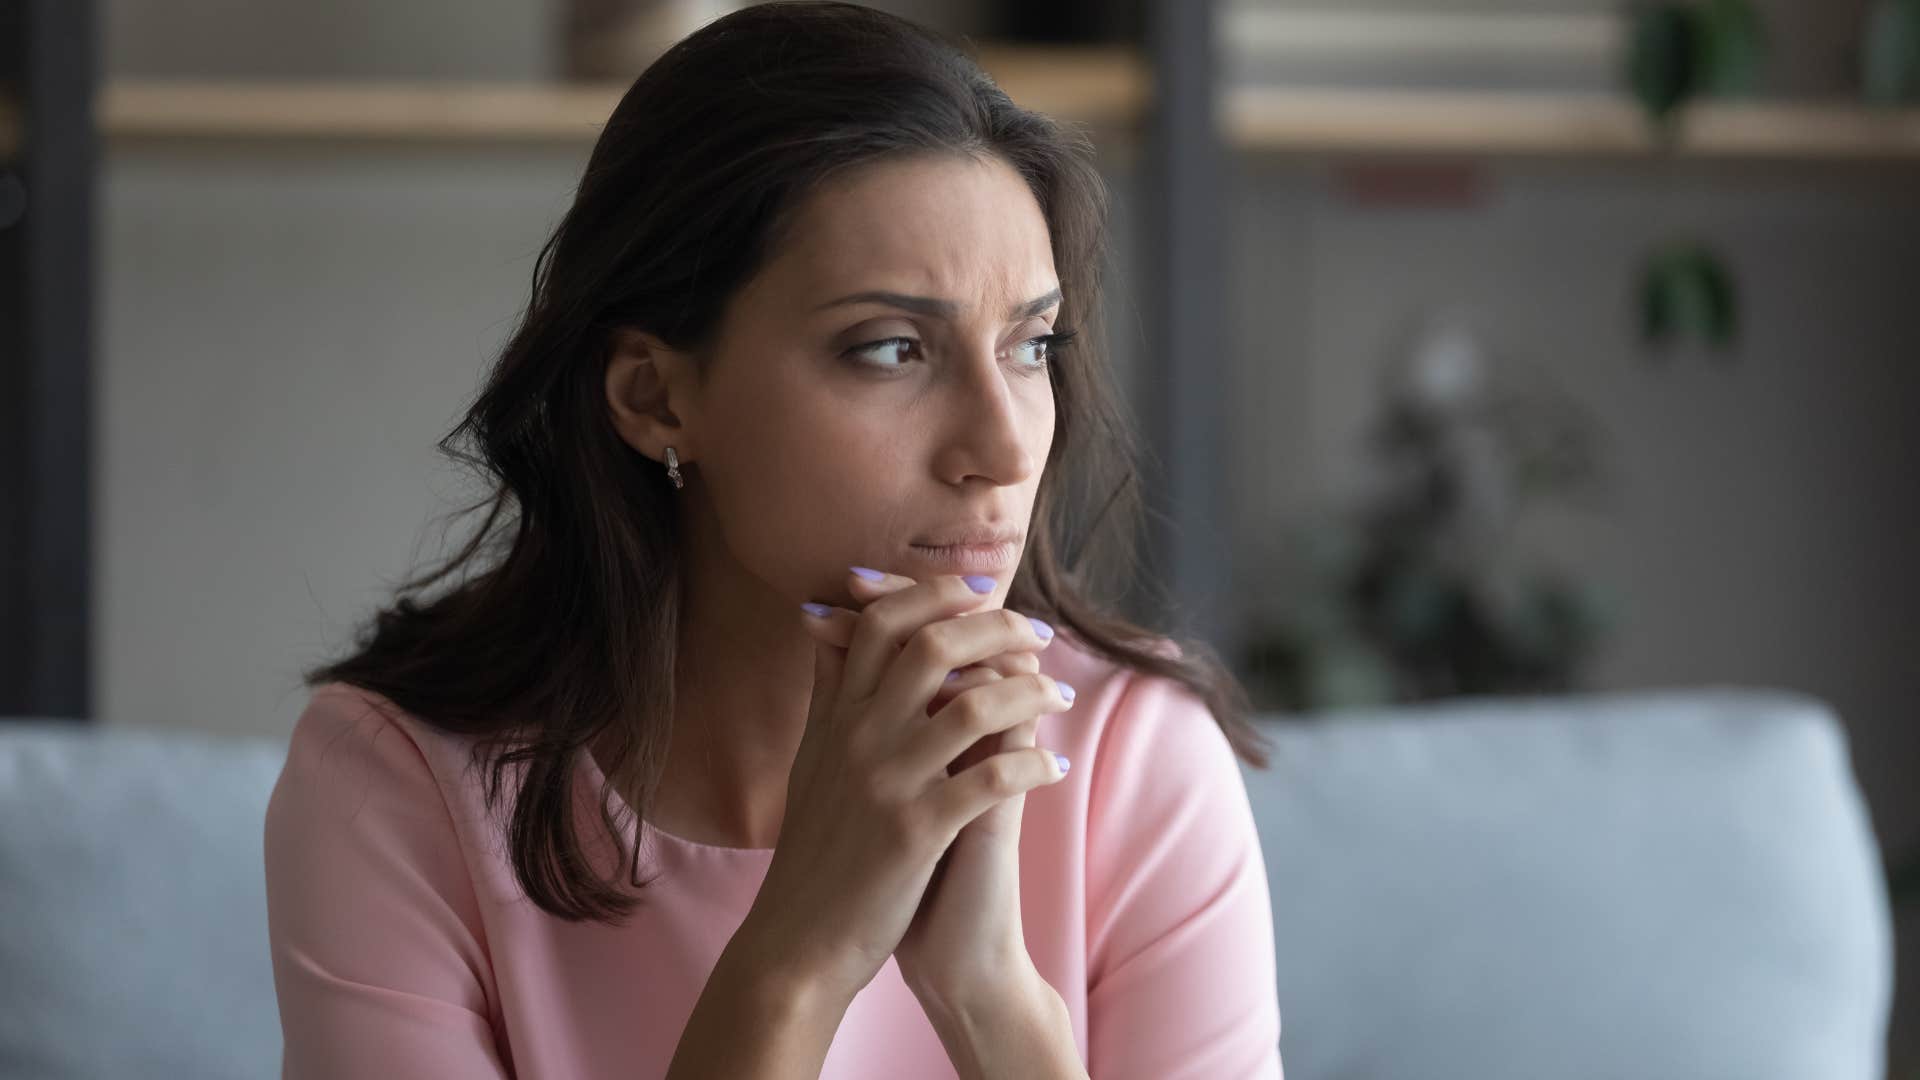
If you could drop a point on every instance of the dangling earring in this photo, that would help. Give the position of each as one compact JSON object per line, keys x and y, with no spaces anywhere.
{"x":673,"y":468}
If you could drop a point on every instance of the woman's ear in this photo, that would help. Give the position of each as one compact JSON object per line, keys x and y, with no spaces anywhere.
{"x":650,"y":392}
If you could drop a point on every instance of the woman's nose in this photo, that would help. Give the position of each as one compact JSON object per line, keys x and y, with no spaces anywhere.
{"x":992,"y":428}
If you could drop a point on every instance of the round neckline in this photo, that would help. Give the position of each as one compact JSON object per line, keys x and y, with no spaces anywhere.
{"x":599,"y":779}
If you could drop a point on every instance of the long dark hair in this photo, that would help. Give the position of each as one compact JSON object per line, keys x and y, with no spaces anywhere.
{"x":558,"y":624}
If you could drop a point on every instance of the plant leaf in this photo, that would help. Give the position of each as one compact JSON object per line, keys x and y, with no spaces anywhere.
{"x":1662,"y":65}
{"x":1732,"y":48}
{"x":1890,"y":54}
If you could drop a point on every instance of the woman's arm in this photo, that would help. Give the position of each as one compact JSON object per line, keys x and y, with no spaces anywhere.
{"x":1023,"y":1029}
{"x":378,"y":953}
{"x":755,"y":1023}
{"x":1180,"y":963}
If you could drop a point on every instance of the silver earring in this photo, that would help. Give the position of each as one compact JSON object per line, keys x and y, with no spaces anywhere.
{"x":673,"y":468}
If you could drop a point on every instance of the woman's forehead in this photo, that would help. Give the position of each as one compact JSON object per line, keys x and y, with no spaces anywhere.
{"x":968,"y":231}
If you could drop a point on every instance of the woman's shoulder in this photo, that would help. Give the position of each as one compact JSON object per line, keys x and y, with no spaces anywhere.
{"x":341,"y":710}
{"x":353,"y":747}
{"x":1159,"y":788}
{"x":1122,"y":708}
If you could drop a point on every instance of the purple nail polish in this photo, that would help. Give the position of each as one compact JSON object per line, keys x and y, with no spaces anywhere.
{"x":1041,"y":628}
{"x":1066,"y":691}
{"x":980,"y":583}
{"x":870,"y":575}
{"x":952,"y":675}
{"x":1064,"y":763}
{"x":818,"y":611}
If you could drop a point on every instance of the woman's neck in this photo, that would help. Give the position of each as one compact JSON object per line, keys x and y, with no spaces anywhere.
{"x":743,"y":678}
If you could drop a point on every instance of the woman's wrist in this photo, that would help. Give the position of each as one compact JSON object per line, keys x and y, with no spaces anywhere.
{"x":1014,"y":1027}
{"x":754,"y":1020}
{"x":777,"y":982}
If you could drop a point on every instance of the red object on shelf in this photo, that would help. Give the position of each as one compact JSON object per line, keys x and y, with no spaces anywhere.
{"x":1412,"y":185}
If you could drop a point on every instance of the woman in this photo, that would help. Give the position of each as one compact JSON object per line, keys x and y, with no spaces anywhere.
{"x":712,"y":758}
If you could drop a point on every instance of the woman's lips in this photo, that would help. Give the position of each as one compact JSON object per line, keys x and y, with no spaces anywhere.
{"x":970,"y":558}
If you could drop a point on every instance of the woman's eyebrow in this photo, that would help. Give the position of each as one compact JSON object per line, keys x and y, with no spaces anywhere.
{"x":947,"y":309}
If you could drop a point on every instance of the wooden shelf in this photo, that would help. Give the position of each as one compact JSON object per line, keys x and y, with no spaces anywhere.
{"x":425,"y":112}
{"x":1093,"y":85}
{"x":1495,"y":124}
{"x":1108,"y":88}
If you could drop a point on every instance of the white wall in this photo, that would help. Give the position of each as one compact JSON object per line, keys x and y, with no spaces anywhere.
{"x":286,"y":334}
{"x":1762,"y":526}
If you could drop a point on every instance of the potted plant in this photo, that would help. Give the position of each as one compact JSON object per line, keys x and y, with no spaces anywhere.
{"x":1421,"y":591}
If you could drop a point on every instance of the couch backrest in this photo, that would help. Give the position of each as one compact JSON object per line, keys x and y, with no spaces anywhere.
{"x":1647,"y":884}
{"x":1656,"y":884}
{"x":133,"y":932}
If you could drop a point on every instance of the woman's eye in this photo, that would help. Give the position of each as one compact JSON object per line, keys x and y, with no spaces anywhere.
{"x":888,"y":346}
{"x":1039,"y":350}
{"x":1047,"y":347}
{"x":893,"y":352}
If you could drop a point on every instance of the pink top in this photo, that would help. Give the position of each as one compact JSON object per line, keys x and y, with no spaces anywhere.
{"x":402,"y":945}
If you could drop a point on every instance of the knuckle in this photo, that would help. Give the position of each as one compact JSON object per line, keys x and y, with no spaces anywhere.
{"x":931,"y":644}
{"x":1000,"y":775}
{"x":972,"y":712}
{"x":1017,"y":624}
{"x":871,"y":624}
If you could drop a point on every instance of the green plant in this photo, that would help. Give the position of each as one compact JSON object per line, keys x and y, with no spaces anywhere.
{"x":1686,"y":290}
{"x":1679,"y":51}
{"x":1682,"y":50}
{"x":1421,"y":592}
{"x":1890,"y":53}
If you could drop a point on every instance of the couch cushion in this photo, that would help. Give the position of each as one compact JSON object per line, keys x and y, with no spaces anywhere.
{"x":132,"y":890}
{"x":1654,"y":884}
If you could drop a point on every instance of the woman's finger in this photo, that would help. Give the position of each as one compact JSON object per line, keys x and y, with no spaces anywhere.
{"x":869,"y":584}
{"x":833,"y":625}
{"x":964,"y":679}
{"x":887,"y":625}
{"x":836,"y":625}
{"x":987,"y":714}
{"x":924,"y":660}
{"x":979,"y":788}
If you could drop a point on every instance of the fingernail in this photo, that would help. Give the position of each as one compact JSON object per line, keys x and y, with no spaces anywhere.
{"x":980,"y":583}
{"x":952,"y":675}
{"x":1045,"y":631}
{"x":870,"y":575}
{"x":1064,"y":763}
{"x":818,"y":611}
{"x":1066,"y":691}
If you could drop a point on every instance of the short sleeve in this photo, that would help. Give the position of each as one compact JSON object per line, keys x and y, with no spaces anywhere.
{"x":1180,"y":959}
{"x":378,"y":957}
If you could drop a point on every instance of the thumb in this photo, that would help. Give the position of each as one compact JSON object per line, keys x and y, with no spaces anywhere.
{"x":829,"y":663}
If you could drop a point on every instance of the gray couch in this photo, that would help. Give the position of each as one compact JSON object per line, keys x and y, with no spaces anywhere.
{"x":1649,"y":885}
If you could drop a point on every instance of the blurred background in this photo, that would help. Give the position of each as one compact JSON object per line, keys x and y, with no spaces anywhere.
{"x":1486,"y":347}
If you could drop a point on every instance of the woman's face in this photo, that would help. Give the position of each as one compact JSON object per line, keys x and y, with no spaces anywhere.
{"x":838,"y":426}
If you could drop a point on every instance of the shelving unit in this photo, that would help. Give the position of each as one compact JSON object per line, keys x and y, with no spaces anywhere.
{"x":1100,"y":86}
{"x":1502,"y":124}
{"x":1110,"y":88}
